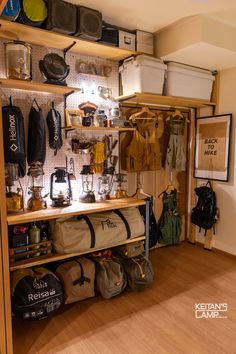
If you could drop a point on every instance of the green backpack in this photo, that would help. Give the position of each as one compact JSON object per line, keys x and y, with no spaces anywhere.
{"x":170,"y":221}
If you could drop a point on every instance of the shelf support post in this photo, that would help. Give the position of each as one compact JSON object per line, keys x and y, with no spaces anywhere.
{"x":147,"y":217}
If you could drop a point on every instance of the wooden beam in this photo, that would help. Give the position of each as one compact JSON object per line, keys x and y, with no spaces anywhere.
{"x":2,"y":5}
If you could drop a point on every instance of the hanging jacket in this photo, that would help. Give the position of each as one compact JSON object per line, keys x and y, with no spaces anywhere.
{"x":14,"y":136}
{"x":170,"y":221}
{"x":136,"y":157}
{"x":36,"y":136}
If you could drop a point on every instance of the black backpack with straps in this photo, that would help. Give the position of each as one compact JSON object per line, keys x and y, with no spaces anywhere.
{"x":204,"y":214}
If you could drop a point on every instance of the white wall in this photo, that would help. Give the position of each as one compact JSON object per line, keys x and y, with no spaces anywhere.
{"x":225,"y":238}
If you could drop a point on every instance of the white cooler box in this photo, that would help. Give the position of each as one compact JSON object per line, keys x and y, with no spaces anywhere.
{"x":186,"y":81}
{"x":142,"y":74}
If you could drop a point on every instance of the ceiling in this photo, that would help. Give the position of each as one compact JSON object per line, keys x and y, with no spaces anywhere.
{"x":152,"y":15}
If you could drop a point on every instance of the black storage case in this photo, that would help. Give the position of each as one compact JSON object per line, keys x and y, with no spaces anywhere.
{"x":62,"y":17}
{"x":110,"y":36}
{"x":89,"y":23}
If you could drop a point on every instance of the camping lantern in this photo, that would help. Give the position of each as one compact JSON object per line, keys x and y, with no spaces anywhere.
{"x":87,"y":195}
{"x":36,"y":185}
{"x":120,"y":178}
{"x":105,"y":183}
{"x":60,"y":188}
{"x":14,"y":199}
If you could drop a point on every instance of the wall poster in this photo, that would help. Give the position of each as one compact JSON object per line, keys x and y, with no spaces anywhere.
{"x":212,"y":147}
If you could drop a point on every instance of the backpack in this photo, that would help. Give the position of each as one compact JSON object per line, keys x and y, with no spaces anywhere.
{"x":153,"y":229}
{"x":204,"y":214}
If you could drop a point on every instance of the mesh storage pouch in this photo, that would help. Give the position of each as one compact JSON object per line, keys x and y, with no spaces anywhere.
{"x":36,"y":293}
{"x":77,"y":277}
{"x":62,"y":17}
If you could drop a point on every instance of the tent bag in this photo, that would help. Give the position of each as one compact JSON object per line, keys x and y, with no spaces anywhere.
{"x":33,"y":13}
{"x":139,"y":272}
{"x":100,"y":230}
{"x":62,"y":17}
{"x":14,"y":137}
{"x":36,"y":293}
{"x":36,"y":137}
{"x":11,"y":10}
{"x":130,"y":250}
{"x":77,"y":277}
{"x":110,"y":276}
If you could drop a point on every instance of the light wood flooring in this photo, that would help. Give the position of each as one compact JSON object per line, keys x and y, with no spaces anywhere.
{"x":158,"y":320}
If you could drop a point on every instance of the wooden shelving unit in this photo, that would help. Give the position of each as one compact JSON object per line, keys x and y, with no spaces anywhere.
{"x":99,"y":129}
{"x":16,"y":31}
{"x":33,"y":262}
{"x":37,"y":86}
{"x":150,"y":98}
{"x":75,"y":209}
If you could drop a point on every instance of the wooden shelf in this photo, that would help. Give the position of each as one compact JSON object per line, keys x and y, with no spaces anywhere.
{"x":33,"y":262}
{"x":16,"y":31}
{"x":99,"y":128}
{"x":93,"y":76}
{"x":75,"y":209}
{"x":150,"y":98}
{"x":37,"y":86}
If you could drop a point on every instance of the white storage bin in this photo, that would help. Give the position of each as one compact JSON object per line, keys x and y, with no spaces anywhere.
{"x":186,"y":81}
{"x":142,"y":74}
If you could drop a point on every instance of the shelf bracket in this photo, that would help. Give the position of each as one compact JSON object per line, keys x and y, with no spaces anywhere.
{"x":65,"y":50}
{"x":65,"y":97}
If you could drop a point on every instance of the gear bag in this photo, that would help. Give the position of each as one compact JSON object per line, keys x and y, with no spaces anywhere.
{"x":204,"y":214}
{"x":153,"y":230}
{"x":139,"y":272}
{"x":36,"y":293}
{"x":77,"y":277}
{"x":54,"y":128}
{"x":11,"y":10}
{"x":170,"y":221}
{"x":14,"y":136}
{"x":110,"y":275}
{"x":36,"y":136}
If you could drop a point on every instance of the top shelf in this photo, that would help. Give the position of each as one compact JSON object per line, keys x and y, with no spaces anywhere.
{"x":75,"y":209}
{"x":16,"y":31}
{"x":150,"y":98}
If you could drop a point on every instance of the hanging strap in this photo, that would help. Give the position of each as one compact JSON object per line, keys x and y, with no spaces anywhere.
{"x":91,"y":229}
{"x":36,"y":103}
{"x":10,"y":101}
{"x":119,"y":213}
{"x":82,"y":278}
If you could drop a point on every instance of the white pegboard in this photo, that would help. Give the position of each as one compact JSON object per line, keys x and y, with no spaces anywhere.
{"x":23,"y":99}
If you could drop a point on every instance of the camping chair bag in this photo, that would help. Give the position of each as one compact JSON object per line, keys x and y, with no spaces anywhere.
{"x":77,"y":277}
{"x":62,"y":17}
{"x":36,"y":293}
{"x":105,"y":229}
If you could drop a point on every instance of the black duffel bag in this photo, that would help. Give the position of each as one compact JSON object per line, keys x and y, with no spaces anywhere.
{"x":36,"y":293}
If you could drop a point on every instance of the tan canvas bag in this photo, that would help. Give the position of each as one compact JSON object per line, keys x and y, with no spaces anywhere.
{"x":77,"y":277}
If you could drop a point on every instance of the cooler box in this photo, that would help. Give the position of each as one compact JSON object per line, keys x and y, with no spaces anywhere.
{"x":142,"y":74}
{"x":187,"y":81}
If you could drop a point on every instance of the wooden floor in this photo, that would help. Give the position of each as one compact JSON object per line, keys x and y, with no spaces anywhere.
{"x":158,"y":320}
